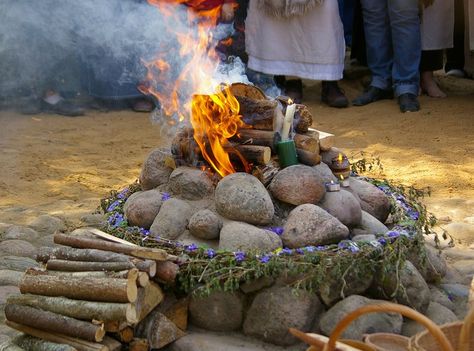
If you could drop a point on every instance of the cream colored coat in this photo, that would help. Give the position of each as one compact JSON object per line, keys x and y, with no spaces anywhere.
{"x":437,"y":25}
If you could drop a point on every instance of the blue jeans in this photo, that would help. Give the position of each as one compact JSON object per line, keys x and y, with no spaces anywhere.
{"x":392,"y":32}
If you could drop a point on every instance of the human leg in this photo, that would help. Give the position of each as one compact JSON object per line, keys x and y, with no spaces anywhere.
{"x":431,"y":60}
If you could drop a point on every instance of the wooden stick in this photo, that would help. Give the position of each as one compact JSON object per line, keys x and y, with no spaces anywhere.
{"x":52,"y":322}
{"x":166,"y":271}
{"x":109,"y":237}
{"x":87,"y":243}
{"x":307,"y":143}
{"x":79,"y":309}
{"x":256,"y":154}
{"x":80,"y":345}
{"x":91,"y":289}
{"x":308,"y":158}
{"x":71,"y":254}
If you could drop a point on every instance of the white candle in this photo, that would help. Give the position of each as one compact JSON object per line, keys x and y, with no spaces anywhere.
{"x":288,"y":121}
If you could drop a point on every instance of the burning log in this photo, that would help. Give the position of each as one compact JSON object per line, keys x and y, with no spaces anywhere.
{"x":307,"y":143}
{"x":257,"y":137}
{"x":52,"y":322}
{"x":79,"y":309}
{"x":259,"y":155}
{"x":90,"y":289}
{"x":247,"y":90}
{"x":308,"y":158}
{"x":258,"y":113}
{"x":88,"y":243}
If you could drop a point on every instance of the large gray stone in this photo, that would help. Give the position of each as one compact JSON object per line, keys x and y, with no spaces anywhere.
{"x":332,"y":289}
{"x":4,"y":227}
{"x":413,"y":290}
{"x":344,"y":206}
{"x":96,"y":220}
{"x":205,"y":224}
{"x":172,"y":219}
{"x":371,"y":224}
{"x":463,"y":232}
{"x":366,"y":324}
{"x":155,"y":170}
{"x":47,"y":224}
{"x":242,"y":197}
{"x":432,"y":265}
{"x":18,"y":232}
{"x":237,"y":236}
{"x":10,"y":277}
{"x":441,"y":297}
{"x":465,"y":267}
{"x":20,"y":248}
{"x":325,"y":173}
{"x":142,"y":208}
{"x":190,"y":183}
{"x":220,"y":311}
{"x":298,"y":185}
{"x":311,"y":225}
{"x":436,"y":312}
{"x":276,"y":309}
{"x":372,"y":199}
{"x":17,"y":263}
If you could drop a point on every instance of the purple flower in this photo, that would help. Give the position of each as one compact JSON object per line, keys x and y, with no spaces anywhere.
{"x":276,"y":230}
{"x":265,"y":258}
{"x":116,"y":220}
{"x":190,"y":248}
{"x":299,"y":251}
{"x":165,"y":196}
{"x":144,"y":232}
{"x":353,"y":248}
{"x":285,"y":251}
{"x":239,"y":256}
{"x":320,"y":248}
{"x":382,"y":241}
{"x":113,"y":206}
{"x":348,"y":245}
{"x":413,"y":214}
{"x":309,"y":248}
{"x":122,"y":194}
{"x":210,"y":253}
{"x":393,"y":234}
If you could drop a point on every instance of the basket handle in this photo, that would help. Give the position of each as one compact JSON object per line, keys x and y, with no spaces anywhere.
{"x":388,"y":307}
{"x":465,"y":335}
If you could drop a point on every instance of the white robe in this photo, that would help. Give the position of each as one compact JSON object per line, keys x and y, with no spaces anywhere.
{"x":437,"y":26}
{"x":310,"y":46}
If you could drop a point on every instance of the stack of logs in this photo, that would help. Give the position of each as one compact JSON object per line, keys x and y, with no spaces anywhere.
{"x":94,"y":294}
{"x":256,"y":141}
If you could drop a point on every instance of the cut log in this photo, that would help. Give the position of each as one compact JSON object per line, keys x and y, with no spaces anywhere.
{"x":307,"y":143}
{"x":265,"y":173}
{"x":308,"y":158}
{"x":80,"y":345}
{"x":53,"y":322}
{"x":166,"y":272}
{"x":258,"y":113}
{"x":148,"y":298}
{"x":256,"y":137}
{"x":159,"y":330}
{"x":31,"y":343}
{"x":303,"y":119}
{"x":139,"y":345}
{"x":81,"y":266}
{"x":326,"y":140}
{"x":111,"y":344}
{"x":115,"y":326}
{"x":255,"y":154}
{"x":90,"y":289}
{"x":143,"y":279}
{"x":148,"y":266}
{"x":71,"y":254}
{"x":175,"y":310}
{"x":247,"y":90}
{"x":86,"y":274}
{"x":79,"y":309}
{"x":87,"y":243}
{"x":125,"y":335}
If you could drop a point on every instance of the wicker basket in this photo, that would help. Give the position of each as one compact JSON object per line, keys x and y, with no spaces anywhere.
{"x":387,"y":342}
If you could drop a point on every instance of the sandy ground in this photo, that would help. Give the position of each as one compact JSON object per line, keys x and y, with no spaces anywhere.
{"x":63,"y":166}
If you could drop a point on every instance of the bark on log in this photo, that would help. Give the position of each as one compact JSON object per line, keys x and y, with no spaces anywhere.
{"x":128,"y":274}
{"x":90,"y":289}
{"x":80,"y":345}
{"x":115,"y":326}
{"x":139,"y":345}
{"x":166,"y":271}
{"x":255,"y":154}
{"x":81,"y":266}
{"x":256,"y":137}
{"x":308,"y":158}
{"x":148,"y":266}
{"x":125,"y":335}
{"x":79,"y":309}
{"x":148,"y":298}
{"x":251,"y":91}
{"x":53,"y":322}
{"x":71,"y":254}
{"x":31,"y":343}
{"x":258,"y":113}
{"x":307,"y":143}
{"x":303,"y":119}
{"x":87,"y":243}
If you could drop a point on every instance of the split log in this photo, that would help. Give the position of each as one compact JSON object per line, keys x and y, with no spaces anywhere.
{"x":80,"y":345}
{"x":115,"y":326}
{"x":71,"y":254}
{"x":90,"y":289}
{"x":303,"y":119}
{"x":175,"y":310}
{"x":52,"y":322}
{"x":81,"y":266}
{"x":159,"y":330}
{"x":139,"y":345}
{"x":143,"y":279}
{"x":257,"y":137}
{"x":148,"y":298}
{"x":255,"y":154}
{"x":111,"y":344}
{"x":87,"y":243}
{"x":125,"y":335}
{"x":308,"y":158}
{"x":166,"y":271}
{"x":307,"y":143}
{"x":326,"y":140}
{"x":265,"y":173}
{"x":31,"y":343}
{"x":257,"y":113}
{"x":79,"y":309}
{"x":148,"y":266}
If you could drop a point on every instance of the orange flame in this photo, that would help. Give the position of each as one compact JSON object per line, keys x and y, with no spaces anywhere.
{"x":340,"y":158}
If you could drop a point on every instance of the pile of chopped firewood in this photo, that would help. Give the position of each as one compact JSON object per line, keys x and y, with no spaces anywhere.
{"x":96,"y":294}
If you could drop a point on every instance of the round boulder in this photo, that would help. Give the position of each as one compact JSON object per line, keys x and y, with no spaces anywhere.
{"x":20,"y":248}
{"x":241,"y":197}
{"x":205,"y":224}
{"x":311,"y":225}
{"x":344,"y":206}
{"x":297,"y":185}
{"x":436,"y":312}
{"x":237,"y":236}
{"x":172,"y":219}
{"x":372,"y":225}
{"x":155,"y":170}
{"x":276,"y":309}
{"x":18,"y":232}
{"x":190,"y":183}
{"x":325,"y":173}
{"x":142,"y":207}
{"x":372,"y":199}
{"x":220,"y":311}
{"x":47,"y":224}
{"x":432,"y":265}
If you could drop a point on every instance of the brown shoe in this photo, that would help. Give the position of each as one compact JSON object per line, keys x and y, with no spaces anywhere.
{"x":332,"y":95}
